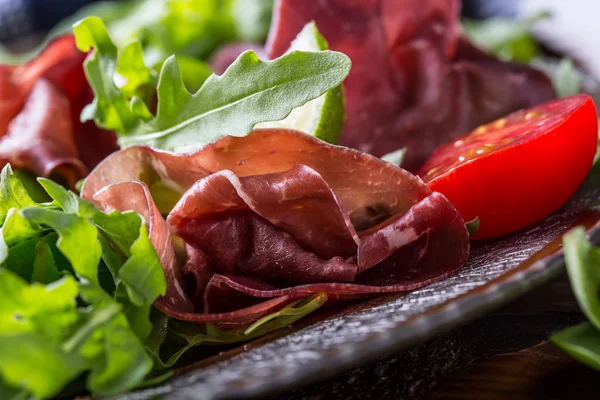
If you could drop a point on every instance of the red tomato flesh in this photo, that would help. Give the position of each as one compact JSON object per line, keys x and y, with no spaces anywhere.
{"x":517,"y":170}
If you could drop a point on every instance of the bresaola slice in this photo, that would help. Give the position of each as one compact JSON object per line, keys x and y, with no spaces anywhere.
{"x":414,"y":81}
{"x":40,"y":104}
{"x":279,"y":215}
{"x":40,"y":138}
{"x":60,"y":63}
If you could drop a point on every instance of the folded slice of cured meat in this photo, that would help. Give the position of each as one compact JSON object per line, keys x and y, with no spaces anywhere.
{"x":40,"y":138}
{"x":414,"y":81}
{"x":60,"y":63}
{"x":40,"y":104}
{"x":279,"y":215}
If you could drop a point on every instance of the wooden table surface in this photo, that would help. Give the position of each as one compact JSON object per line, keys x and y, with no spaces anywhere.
{"x":499,"y":356}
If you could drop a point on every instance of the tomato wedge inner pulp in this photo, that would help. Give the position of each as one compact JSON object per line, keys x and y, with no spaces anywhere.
{"x":517,"y":170}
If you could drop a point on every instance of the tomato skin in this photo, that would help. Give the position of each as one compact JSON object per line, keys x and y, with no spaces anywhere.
{"x":516,"y":186}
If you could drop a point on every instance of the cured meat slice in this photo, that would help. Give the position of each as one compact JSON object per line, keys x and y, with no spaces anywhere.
{"x":61,"y":65}
{"x":279,"y":215}
{"x":414,"y":82}
{"x":40,"y":137}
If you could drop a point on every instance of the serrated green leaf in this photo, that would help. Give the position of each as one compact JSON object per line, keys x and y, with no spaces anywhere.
{"x":67,"y":200}
{"x":110,"y":108}
{"x":249,"y":92}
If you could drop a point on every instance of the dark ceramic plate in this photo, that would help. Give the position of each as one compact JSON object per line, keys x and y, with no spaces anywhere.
{"x":497,"y":272}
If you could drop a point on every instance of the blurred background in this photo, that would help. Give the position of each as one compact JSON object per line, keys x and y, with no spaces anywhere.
{"x":516,"y":30}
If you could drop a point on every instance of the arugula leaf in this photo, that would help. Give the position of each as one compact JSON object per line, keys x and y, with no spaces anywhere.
{"x":509,"y":39}
{"x":249,"y":92}
{"x":110,"y":108}
{"x":32,"y":186}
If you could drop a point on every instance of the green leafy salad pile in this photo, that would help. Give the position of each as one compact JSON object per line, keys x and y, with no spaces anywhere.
{"x":77,"y":287}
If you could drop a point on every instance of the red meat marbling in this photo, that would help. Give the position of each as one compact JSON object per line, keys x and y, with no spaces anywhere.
{"x":279,"y":215}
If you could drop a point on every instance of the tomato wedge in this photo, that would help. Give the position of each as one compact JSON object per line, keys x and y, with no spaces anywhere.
{"x":517,"y":170}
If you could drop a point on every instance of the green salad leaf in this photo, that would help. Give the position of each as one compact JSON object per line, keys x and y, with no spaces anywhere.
{"x":583,"y":267}
{"x":249,"y":92}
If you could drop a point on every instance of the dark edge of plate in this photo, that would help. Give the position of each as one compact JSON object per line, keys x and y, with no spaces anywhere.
{"x":531,"y":273}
